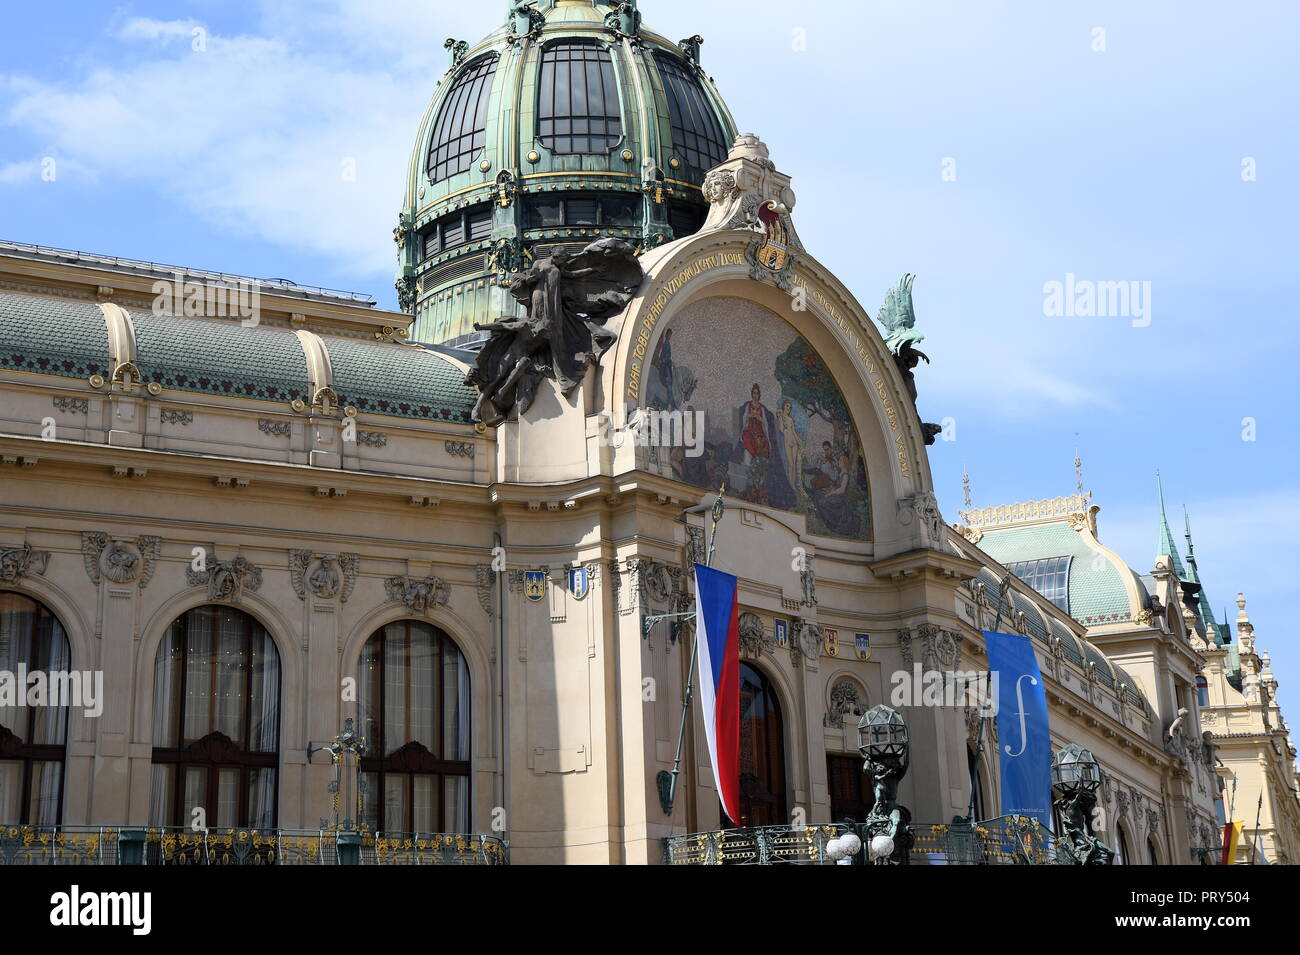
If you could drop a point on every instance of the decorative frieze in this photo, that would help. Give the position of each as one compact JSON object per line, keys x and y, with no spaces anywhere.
{"x":940,"y":649}
{"x":279,"y":428}
{"x":18,"y":562}
{"x":806,"y":641}
{"x":754,"y":638}
{"x":1047,"y":509}
{"x":846,"y":700}
{"x":459,"y":449}
{"x":72,"y":405}
{"x":226,"y":580}
{"x":324,"y":576}
{"x":922,"y":509}
{"x":484,"y":577}
{"x":418,"y":594}
{"x":372,"y":439}
{"x":176,"y":416}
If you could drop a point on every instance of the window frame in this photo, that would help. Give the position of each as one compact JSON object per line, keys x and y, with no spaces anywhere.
{"x":208,"y":752}
{"x":1041,"y":572}
{"x":437,"y":233}
{"x":688,"y":100}
{"x":15,"y":746}
{"x":403,"y":761}
{"x":472,"y":85}
{"x":547,"y":110}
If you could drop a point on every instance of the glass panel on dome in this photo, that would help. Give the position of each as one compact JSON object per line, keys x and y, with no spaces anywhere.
{"x":1050,"y":576}
{"x":460,"y":131}
{"x":620,"y":211}
{"x":545,"y":213}
{"x":580,"y":212}
{"x":577,"y":103}
{"x":685,"y":218}
{"x":697,"y":133}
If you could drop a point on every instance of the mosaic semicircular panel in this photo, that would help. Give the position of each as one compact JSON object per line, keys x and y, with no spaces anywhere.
{"x":776,"y":428}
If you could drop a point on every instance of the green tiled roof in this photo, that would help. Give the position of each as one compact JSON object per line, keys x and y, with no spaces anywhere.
{"x":401,"y":380}
{"x":52,"y":336}
{"x":1098,"y":594}
{"x":220,"y":357}
{"x":68,"y":337}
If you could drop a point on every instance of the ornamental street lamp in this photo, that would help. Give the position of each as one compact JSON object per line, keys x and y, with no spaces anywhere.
{"x":346,"y":789}
{"x":883,"y":743}
{"x":1076,"y":776}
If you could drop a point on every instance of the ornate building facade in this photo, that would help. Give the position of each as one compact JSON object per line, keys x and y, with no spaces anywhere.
{"x":260,"y":523}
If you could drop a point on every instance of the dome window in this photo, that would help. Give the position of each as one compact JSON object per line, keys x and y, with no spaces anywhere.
{"x":583,"y":211}
{"x":457,"y":229}
{"x":1049,"y":576}
{"x":577,"y":105}
{"x":697,"y":133}
{"x":460,"y":131}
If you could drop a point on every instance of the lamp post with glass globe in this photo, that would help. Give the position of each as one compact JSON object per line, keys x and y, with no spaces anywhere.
{"x":1076,"y":776}
{"x":883,"y":743}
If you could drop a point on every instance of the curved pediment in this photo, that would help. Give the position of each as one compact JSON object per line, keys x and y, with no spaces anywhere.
{"x":832,"y":434}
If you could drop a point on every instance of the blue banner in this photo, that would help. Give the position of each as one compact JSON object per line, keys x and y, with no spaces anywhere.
{"x":1024,"y":744}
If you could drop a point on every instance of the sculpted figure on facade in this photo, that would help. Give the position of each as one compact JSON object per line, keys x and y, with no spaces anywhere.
{"x":568,"y":300}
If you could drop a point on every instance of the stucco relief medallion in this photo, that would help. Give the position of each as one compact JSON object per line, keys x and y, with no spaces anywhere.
{"x":325,"y":576}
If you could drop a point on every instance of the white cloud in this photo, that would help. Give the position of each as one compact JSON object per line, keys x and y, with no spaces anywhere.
{"x":163,"y":31}
{"x":253,"y":134}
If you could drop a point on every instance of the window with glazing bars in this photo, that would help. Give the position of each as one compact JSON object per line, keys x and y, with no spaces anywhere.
{"x":1049,"y":576}
{"x":460,"y":131}
{"x":459,"y":228}
{"x":577,"y":99}
{"x":697,"y":133}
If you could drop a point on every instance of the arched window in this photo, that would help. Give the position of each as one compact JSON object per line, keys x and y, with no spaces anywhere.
{"x":414,"y":701}
{"x":460,"y":131}
{"x":762,"y":752}
{"x":216,"y":721}
{"x":1122,"y":854}
{"x":1202,"y":691}
{"x":577,"y":99}
{"x":697,"y":133}
{"x":32,"y":738}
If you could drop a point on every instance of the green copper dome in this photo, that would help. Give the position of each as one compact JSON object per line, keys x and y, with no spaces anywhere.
{"x":569,"y":122}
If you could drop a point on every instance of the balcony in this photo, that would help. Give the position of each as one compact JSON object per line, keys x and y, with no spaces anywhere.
{"x":102,"y":845}
{"x":1007,"y":840}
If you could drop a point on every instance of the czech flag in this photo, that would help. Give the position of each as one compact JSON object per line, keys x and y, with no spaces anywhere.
{"x":717,"y":636}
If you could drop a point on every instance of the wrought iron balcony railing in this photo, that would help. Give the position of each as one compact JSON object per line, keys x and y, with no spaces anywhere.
{"x":130,"y":845}
{"x":1006,"y":840}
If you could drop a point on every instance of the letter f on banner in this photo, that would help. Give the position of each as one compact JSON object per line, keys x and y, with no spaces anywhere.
{"x":1026,"y":752}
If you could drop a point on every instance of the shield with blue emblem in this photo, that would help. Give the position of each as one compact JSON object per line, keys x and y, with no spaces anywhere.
{"x":862,"y":645}
{"x":579,"y":582}
{"x":535,"y":584}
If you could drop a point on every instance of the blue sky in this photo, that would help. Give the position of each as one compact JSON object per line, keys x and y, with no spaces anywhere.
{"x":1113,"y":156}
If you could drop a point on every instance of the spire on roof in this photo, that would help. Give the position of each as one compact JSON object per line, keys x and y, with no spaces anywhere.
{"x":1165,"y":547}
{"x":1203,"y":608}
